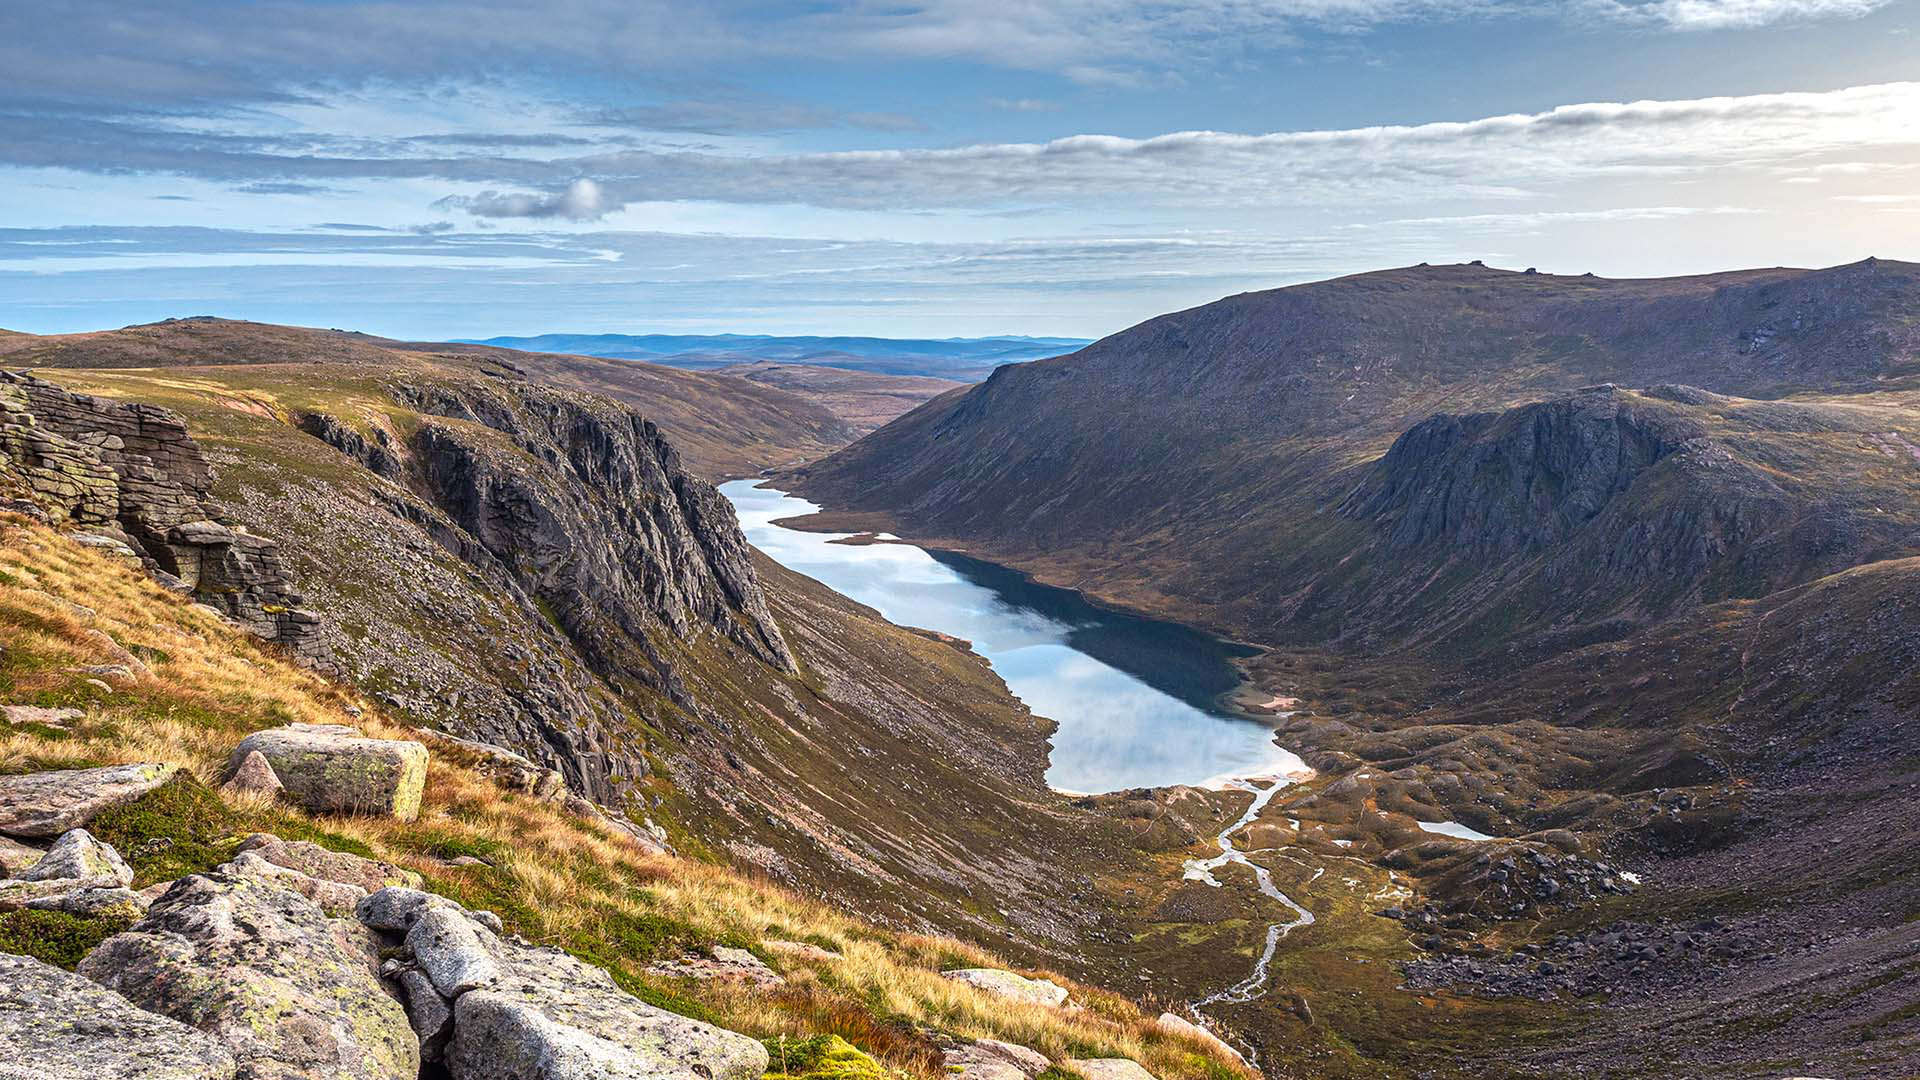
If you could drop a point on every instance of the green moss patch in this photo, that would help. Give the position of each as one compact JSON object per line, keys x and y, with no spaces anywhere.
{"x":178,"y":828}
{"x":820,"y":1057}
{"x":56,"y":937}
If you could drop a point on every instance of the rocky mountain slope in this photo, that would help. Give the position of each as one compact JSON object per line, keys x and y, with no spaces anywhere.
{"x":164,"y":914}
{"x":1613,"y":572}
{"x":531,"y":566}
{"x":1181,"y":466}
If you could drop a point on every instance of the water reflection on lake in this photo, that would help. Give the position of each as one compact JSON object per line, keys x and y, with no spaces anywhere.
{"x":1136,"y":700}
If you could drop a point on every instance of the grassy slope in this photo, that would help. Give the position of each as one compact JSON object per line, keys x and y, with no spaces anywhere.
{"x":723,"y":427}
{"x":554,"y":878}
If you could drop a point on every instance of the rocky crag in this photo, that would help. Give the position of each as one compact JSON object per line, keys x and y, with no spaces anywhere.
{"x":131,"y":474}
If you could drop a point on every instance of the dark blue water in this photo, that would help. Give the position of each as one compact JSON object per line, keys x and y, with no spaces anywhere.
{"x":1138,"y":701}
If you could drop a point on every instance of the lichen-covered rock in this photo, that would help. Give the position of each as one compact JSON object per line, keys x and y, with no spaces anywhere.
{"x":551,"y":1017}
{"x":254,"y":776}
{"x":394,"y":909}
{"x":332,"y":768}
{"x":78,"y":857}
{"x":55,"y":1025}
{"x":447,"y":946}
{"x":16,"y":856}
{"x":291,"y":992}
{"x":726,"y":963}
{"x":93,"y":901}
{"x":1007,"y":984}
{"x":991,"y":1059}
{"x":50,"y":803}
{"x":45,"y":895}
{"x":315,"y":861}
{"x":337,"y":899}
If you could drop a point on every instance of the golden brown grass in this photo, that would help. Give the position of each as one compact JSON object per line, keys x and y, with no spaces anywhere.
{"x":554,"y":877}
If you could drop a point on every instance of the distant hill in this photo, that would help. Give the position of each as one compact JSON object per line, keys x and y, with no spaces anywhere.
{"x":965,"y":359}
{"x":1200,"y":464}
{"x":725,"y":427}
{"x":864,"y":400}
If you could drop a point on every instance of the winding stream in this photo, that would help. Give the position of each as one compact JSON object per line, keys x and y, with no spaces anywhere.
{"x":1202,"y":870}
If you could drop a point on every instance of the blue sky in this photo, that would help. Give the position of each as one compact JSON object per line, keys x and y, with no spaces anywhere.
{"x":917,"y":167}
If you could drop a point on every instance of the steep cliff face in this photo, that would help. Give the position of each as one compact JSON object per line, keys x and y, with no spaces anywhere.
{"x":579,"y":511}
{"x":594,"y":513}
{"x":133,"y":473}
{"x":1508,"y":482}
{"x":1586,"y":516}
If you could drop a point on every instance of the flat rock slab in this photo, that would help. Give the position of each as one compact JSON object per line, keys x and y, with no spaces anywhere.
{"x":59,"y":1026}
{"x":991,"y":1059}
{"x":333,"y":769}
{"x":33,"y":714}
{"x":1010,"y":985}
{"x":1109,"y":1069}
{"x":551,"y":1017}
{"x":46,"y":804}
{"x":801,"y":950}
{"x":317,"y":862}
{"x":293,"y":994}
{"x":726,"y":963}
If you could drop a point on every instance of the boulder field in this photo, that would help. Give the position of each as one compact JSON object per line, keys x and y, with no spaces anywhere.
{"x":295,"y":962}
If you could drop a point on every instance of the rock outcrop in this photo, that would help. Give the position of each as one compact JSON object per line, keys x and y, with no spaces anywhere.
{"x":679,"y":560}
{"x":59,"y":1026}
{"x":291,"y":993}
{"x":991,"y":1059}
{"x":46,"y":804}
{"x":497,"y":1008}
{"x":133,"y":469}
{"x":565,"y":514}
{"x":1503,"y":482}
{"x":1010,"y":985}
{"x":78,"y":875}
{"x":332,"y":768}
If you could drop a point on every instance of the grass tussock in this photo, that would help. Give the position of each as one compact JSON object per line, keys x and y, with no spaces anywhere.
{"x":555,"y":878}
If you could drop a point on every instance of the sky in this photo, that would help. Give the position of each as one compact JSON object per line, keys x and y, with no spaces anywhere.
{"x":916,"y":168}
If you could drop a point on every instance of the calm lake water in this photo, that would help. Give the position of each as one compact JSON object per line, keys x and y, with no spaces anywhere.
{"x":1138,"y":701}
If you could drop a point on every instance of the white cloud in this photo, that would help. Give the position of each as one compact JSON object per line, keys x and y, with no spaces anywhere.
{"x":582,"y":200}
{"x":1742,"y":14}
{"x":1500,"y":157}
